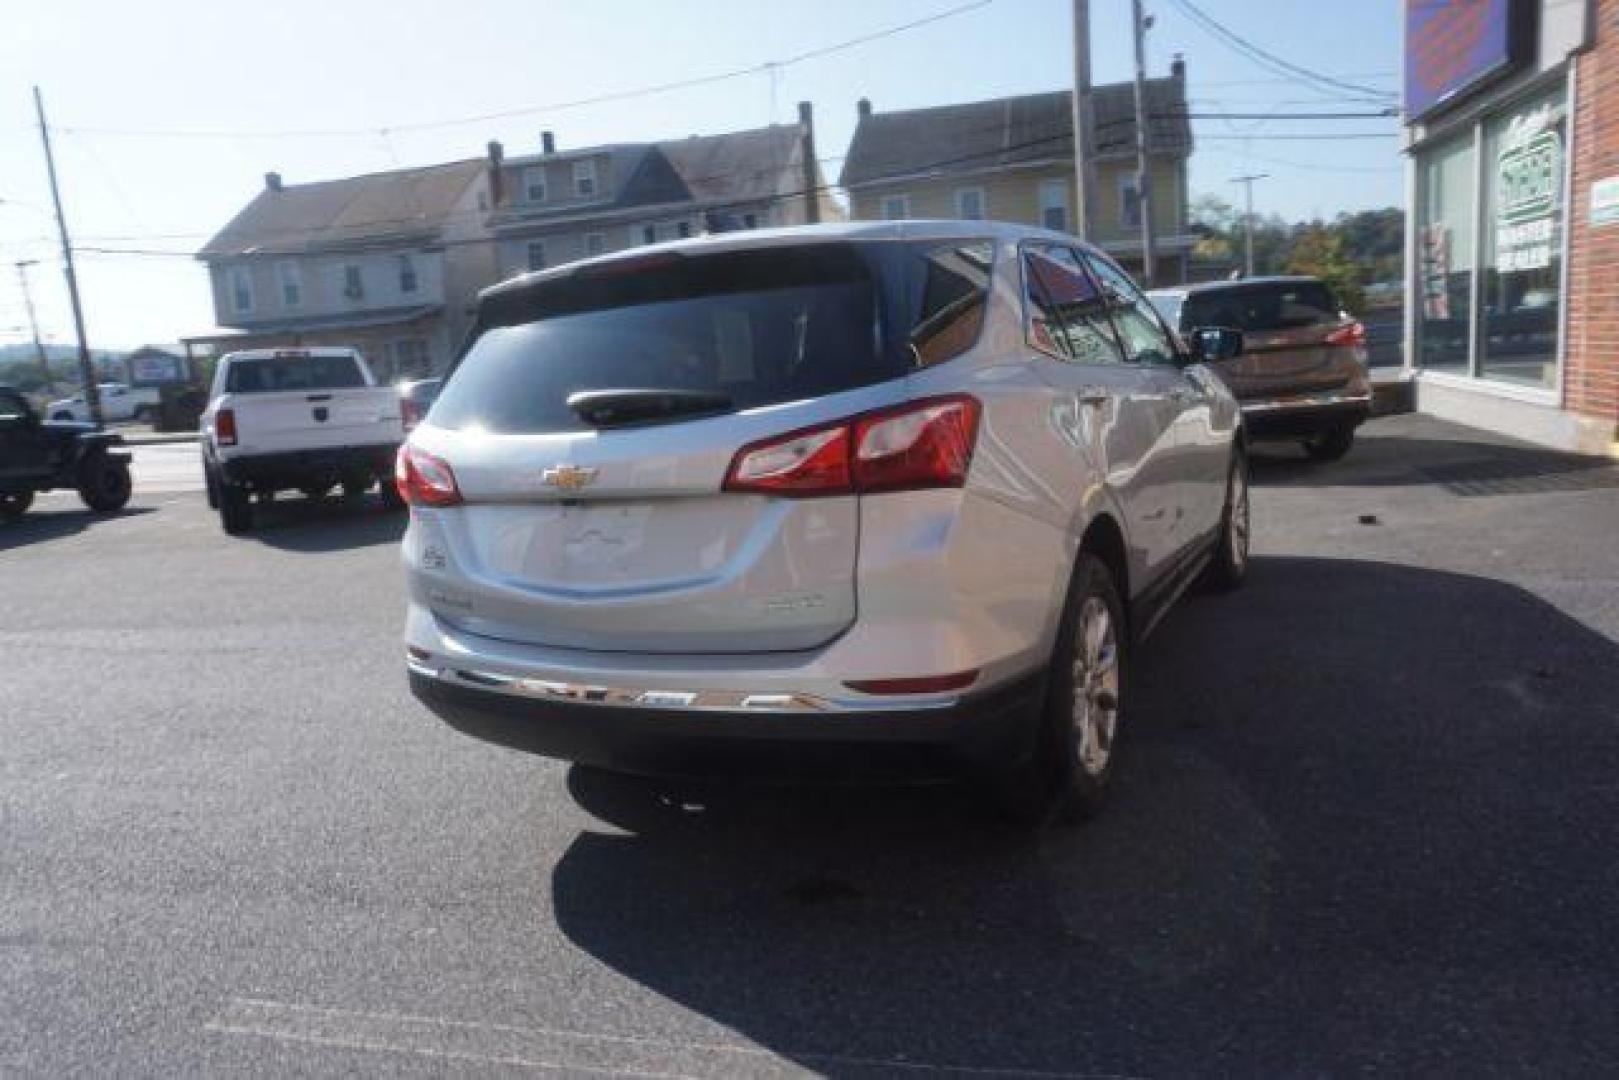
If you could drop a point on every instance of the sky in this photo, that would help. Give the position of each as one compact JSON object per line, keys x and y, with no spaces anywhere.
{"x":167,"y":113}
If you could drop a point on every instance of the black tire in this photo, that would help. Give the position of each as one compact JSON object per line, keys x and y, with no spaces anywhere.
{"x":1331,"y":444}
{"x":235,"y":508}
{"x":1065,"y":778}
{"x":388,"y":491}
{"x":1229,"y":566}
{"x":15,"y":504}
{"x":104,"y":484}
{"x":211,"y":486}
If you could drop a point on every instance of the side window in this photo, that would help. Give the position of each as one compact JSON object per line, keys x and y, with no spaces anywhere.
{"x":955,"y":289}
{"x":11,"y":407}
{"x":1140,"y":330}
{"x":1067,"y":313}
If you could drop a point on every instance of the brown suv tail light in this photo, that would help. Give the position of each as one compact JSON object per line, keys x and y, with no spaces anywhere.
{"x":225,"y":427}
{"x":921,"y":444}
{"x":1353,"y":333}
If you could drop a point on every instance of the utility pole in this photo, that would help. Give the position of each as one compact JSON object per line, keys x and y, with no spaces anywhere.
{"x":1143,"y":178}
{"x":1084,"y":123}
{"x":87,"y":371}
{"x":33,"y":323}
{"x":1248,"y":219}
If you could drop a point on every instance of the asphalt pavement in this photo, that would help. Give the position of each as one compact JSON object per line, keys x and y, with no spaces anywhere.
{"x":1364,"y":821}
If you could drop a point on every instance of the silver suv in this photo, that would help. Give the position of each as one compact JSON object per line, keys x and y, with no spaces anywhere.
{"x":881,"y":498}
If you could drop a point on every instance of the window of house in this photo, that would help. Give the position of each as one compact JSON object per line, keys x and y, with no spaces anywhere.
{"x":1129,"y":201}
{"x":241,"y":290}
{"x":595,"y":243}
{"x":970,"y":204}
{"x":536,"y":254}
{"x":292,"y":285}
{"x":683,"y":229}
{"x":483,"y":202}
{"x":353,"y":282}
{"x":649,"y":234}
{"x":1067,"y":310}
{"x":584,"y":178}
{"x":407,"y":274}
{"x":534,"y":183}
{"x":896,"y":207}
{"x":750,"y":221}
{"x":1054,"y":204}
{"x":406,"y":358}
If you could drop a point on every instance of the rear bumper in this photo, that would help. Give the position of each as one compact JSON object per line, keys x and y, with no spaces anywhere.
{"x":297,"y":467}
{"x":1305,"y":414}
{"x":974,"y":734}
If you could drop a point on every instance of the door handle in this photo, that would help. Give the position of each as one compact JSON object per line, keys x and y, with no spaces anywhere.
{"x":1092,"y":395}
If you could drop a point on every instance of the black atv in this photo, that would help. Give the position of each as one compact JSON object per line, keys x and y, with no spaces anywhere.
{"x":38,"y":456}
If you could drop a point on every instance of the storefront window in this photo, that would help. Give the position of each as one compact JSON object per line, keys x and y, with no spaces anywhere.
{"x":1445,"y":255}
{"x":1523,"y":244}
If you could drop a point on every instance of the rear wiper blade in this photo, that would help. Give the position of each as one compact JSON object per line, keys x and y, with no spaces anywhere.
{"x":610,"y":408}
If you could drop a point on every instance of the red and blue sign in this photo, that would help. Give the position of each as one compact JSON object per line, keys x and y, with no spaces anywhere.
{"x":1453,"y":45}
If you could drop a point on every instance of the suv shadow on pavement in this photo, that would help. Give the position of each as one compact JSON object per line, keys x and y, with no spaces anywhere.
{"x":1406,"y":451}
{"x":1343,"y":837}
{"x":42,"y":523}
{"x":294,"y":523}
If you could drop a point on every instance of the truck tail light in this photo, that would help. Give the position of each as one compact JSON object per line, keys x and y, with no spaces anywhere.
{"x":921,"y":444}
{"x":424,"y":480}
{"x":410,"y":413}
{"x":225,"y":427}
{"x":1353,"y":333}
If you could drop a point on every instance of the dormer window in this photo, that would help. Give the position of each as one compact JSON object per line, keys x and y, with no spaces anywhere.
{"x":584,"y":178}
{"x":534,"y":184}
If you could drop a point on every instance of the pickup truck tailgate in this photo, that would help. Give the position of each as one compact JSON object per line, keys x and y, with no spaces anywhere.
{"x":311,"y":420}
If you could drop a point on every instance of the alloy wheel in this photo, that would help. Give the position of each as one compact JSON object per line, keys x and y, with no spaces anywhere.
{"x":1096,"y":685}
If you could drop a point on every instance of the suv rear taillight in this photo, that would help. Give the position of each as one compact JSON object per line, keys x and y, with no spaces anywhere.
{"x":225,"y":427}
{"x":424,"y":480}
{"x":1353,"y":333}
{"x":921,"y":444}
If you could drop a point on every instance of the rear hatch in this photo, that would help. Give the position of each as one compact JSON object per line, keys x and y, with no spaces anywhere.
{"x":301,"y":401}
{"x":609,"y":530}
{"x":1286,"y":329}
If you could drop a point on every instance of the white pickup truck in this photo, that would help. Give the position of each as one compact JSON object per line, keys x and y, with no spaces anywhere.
{"x":118,"y":402}
{"x":296,"y":419}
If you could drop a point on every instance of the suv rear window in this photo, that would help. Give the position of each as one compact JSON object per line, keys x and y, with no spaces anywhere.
{"x":281,"y":373}
{"x":1289,"y":305}
{"x":760,"y":326}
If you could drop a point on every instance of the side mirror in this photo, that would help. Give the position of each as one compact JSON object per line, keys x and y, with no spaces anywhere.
{"x":1211,"y":344}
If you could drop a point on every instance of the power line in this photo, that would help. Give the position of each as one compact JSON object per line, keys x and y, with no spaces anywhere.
{"x":1270,"y":60}
{"x":505,"y":114}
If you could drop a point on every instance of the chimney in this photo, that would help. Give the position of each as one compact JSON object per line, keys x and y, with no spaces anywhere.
{"x":497,"y":157}
{"x":548,"y":142}
{"x":1177,"y":67}
{"x":806,"y":137}
{"x":272,"y":181}
{"x":864,"y":107}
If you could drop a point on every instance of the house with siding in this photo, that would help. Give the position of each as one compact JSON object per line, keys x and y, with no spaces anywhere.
{"x":561,"y":205}
{"x":390,"y":262}
{"x":1012,"y":159}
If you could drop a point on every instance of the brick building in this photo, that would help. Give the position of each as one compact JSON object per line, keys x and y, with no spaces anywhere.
{"x":1513,"y":240}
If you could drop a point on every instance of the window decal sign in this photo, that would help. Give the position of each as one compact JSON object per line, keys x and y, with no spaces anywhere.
{"x":1528,"y":185}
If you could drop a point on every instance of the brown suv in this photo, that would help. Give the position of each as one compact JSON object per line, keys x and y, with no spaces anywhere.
{"x":1302,"y":371}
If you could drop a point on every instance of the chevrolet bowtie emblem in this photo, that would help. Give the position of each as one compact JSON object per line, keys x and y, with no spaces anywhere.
{"x":568,"y":477}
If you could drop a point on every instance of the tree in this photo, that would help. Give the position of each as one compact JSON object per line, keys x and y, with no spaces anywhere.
{"x":1319,"y":251}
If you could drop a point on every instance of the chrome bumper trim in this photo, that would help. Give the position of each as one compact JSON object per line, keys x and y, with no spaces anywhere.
{"x":1315,"y":401}
{"x":675,"y":700}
